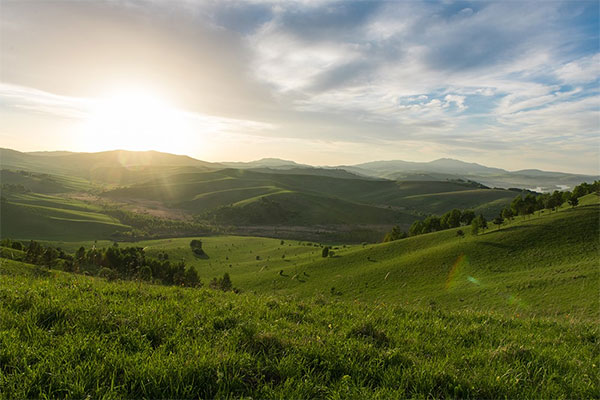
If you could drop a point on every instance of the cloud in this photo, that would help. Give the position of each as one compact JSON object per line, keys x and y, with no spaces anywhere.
{"x":453,"y":75}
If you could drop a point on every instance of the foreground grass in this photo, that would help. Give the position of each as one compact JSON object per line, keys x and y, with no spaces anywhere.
{"x":72,"y":336}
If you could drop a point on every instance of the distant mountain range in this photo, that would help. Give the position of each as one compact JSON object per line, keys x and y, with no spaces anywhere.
{"x":130,"y":165}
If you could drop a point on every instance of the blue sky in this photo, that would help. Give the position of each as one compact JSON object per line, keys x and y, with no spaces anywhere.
{"x":507,"y":84}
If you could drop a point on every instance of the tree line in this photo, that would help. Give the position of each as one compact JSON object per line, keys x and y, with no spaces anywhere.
{"x":114,"y":262}
{"x":520,"y":205}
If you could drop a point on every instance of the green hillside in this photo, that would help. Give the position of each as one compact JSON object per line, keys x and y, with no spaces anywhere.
{"x":35,"y":216}
{"x":41,"y":183}
{"x":64,"y":335}
{"x":305,"y":199}
{"x":544,"y":265}
{"x":522,"y":268}
{"x":115,"y":167}
{"x":487,"y":201}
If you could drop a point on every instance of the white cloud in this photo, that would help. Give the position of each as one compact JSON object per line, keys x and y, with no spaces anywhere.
{"x":583,"y":70}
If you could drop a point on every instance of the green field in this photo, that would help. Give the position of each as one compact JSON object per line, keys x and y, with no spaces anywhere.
{"x":543,"y":265}
{"x":37,"y":216}
{"x":349,"y":209}
{"x":72,"y":336}
{"x":537,"y":266}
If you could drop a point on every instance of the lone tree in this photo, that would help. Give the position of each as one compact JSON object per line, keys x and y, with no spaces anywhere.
{"x":196,"y":245}
{"x":479,"y":223}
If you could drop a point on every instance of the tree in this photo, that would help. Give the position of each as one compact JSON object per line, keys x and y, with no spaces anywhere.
{"x":49,"y":257}
{"x":432,"y":224}
{"x":80,"y":256}
{"x":573,"y":201}
{"x":395,"y":234}
{"x":507,"y":213}
{"x":530,"y":203}
{"x":479,"y":223}
{"x":179,"y":273}
{"x":518,"y":205}
{"x":225,"y":282}
{"x":498,"y":220}
{"x":191,"y":278}
{"x":196,"y":245}
{"x":34,"y":252}
{"x":416,"y":228}
{"x":467,"y":217}
{"x":451,"y":219}
{"x":557,"y":199}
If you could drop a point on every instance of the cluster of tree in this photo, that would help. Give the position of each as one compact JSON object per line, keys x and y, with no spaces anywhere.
{"x":433,"y":223}
{"x":112,"y":263}
{"x":535,"y":202}
{"x":132,"y":263}
{"x":36,"y":253}
{"x":149,"y":226}
{"x":526,"y":205}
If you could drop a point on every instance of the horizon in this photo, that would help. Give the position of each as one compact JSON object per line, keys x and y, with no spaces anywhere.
{"x":325,"y":83}
{"x":301,"y":164}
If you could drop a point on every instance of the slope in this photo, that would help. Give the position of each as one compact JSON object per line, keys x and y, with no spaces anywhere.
{"x":118,"y":166}
{"x":66,"y":335}
{"x":37,"y":216}
{"x":545,"y":265}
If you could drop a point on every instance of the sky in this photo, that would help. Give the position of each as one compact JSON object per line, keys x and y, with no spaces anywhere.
{"x":508,"y":84}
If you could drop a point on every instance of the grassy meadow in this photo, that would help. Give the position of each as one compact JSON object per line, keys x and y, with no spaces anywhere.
{"x":544,"y":265}
{"x":71,"y":336}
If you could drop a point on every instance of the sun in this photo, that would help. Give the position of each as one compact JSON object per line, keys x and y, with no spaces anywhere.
{"x":133,"y":120}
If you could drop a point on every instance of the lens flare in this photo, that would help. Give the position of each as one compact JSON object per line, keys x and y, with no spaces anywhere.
{"x":457,"y":267}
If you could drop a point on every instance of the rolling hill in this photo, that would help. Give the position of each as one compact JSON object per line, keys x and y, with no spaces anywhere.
{"x":261,"y":197}
{"x":511,"y":312}
{"x":449,"y":169}
{"x":115,"y":167}
{"x":544,"y":266}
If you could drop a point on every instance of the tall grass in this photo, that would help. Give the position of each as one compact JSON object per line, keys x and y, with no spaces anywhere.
{"x":70,"y":336}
